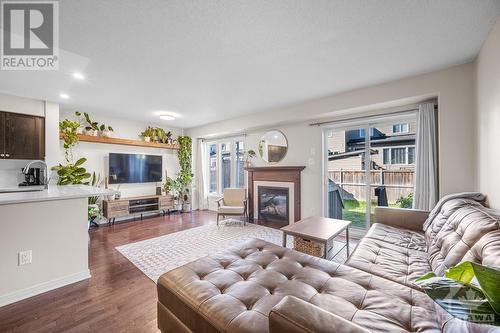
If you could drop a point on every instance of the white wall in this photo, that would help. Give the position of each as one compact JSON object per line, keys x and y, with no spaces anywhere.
{"x":97,"y":154}
{"x":10,"y":170}
{"x":488,"y":113}
{"x":454,"y":88}
{"x":10,"y":103}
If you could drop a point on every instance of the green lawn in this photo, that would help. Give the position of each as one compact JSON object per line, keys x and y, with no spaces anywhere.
{"x":355,"y":211}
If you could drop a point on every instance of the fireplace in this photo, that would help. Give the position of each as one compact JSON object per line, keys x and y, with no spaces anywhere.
{"x":281,"y":185}
{"x":273,"y":203}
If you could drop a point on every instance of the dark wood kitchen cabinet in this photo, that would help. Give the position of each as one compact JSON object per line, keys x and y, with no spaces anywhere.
{"x":22,"y":136}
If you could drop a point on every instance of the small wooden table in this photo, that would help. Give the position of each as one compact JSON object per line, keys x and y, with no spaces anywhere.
{"x":318,"y":229}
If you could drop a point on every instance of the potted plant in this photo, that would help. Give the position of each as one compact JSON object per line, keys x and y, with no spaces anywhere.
{"x":72,"y":173}
{"x":249,"y":155}
{"x":106,"y":131}
{"x":168,"y":137}
{"x":161,"y":134}
{"x":94,"y":213}
{"x":468,"y":291}
{"x":148,"y":133}
{"x":185,"y":174}
{"x":174,"y":187}
{"x":69,"y":129}
{"x":92,"y":127}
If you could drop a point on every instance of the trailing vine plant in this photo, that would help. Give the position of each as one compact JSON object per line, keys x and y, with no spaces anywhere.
{"x":184,"y":154}
{"x":70,"y":173}
{"x":70,"y":137}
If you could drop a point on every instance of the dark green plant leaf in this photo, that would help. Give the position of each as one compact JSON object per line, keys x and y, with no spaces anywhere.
{"x":489,"y":280}
{"x":80,"y":161}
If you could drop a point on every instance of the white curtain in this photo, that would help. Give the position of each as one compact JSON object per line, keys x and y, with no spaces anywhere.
{"x":201,"y":167}
{"x":426,"y":164}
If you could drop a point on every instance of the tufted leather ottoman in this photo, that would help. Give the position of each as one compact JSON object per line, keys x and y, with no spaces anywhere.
{"x":261,"y":287}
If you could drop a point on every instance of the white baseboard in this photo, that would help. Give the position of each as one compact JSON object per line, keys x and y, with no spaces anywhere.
{"x":43,"y":287}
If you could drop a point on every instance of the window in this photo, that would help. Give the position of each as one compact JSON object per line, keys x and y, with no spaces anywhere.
{"x":399,"y":155}
{"x":226,"y":165}
{"x":212,"y":165}
{"x":387,"y":155}
{"x":240,"y":166}
{"x":225,"y":155}
{"x":411,"y":155}
{"x":400,"y":128}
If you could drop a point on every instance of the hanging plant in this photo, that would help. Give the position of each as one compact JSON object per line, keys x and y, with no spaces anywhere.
{"x":69,"y":129}
{"x":185,"y":176}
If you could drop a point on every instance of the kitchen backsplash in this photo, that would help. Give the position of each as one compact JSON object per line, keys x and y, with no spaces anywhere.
{"x":10,"y":172}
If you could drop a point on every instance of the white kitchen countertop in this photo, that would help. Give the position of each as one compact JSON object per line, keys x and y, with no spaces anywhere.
{"x":54,"y":192}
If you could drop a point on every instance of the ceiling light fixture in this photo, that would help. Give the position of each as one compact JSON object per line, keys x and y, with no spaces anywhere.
{"x":167,"y":117}
{"x":78,"y":76}
{"x":166,"y":113}
{"x":64,"y":96}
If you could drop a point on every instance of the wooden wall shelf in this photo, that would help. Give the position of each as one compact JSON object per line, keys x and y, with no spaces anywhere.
{"x":126,"y":142}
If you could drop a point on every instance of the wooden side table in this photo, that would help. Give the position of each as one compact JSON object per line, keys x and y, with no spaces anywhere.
{"x":318,"y":229}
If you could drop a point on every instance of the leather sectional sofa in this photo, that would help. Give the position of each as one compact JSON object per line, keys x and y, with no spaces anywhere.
{"x":261,"y":287}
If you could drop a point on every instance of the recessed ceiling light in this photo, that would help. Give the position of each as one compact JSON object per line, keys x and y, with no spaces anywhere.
{"x":64,"y":96}
{"x":167,"y":117}
{"x":78,"y":76}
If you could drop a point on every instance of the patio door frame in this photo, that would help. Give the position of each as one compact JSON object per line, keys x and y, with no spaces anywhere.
{"x":366,"y":123}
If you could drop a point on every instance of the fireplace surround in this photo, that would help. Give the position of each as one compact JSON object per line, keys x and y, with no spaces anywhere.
{"x":282,"y":177}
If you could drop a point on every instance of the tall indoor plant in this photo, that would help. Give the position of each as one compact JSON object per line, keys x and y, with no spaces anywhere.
{"x":185,"y":177}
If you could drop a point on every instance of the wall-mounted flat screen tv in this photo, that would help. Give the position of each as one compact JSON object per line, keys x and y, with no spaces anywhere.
{"x":134,"y":168}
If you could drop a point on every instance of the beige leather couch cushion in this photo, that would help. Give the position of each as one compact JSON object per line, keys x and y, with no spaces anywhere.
{"x":444,"y":214}
{"x":466,"y":234}
{"x":235,"y":291}
{"x":389,"y":261}
{"x":405,"y":238}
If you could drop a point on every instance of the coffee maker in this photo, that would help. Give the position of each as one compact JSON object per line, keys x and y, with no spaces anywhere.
{"x":32,"y":177}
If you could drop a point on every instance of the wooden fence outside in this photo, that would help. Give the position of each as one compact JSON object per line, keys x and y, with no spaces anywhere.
{"x":398,"y":183}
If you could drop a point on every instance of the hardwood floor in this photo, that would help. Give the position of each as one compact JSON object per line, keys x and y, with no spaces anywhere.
{"x":118,"y":297}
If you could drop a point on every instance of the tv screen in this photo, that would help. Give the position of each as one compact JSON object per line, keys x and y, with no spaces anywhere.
{"x":134,"y":168}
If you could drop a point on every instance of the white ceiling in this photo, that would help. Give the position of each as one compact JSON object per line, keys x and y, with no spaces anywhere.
{"x":213,"y":60}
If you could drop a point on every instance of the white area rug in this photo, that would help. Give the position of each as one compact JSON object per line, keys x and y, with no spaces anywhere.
{"x":158,"y":255}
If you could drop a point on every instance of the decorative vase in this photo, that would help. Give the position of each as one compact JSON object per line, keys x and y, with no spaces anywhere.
{"x":186,"y":207}
{"x":107,"y":133}
{"x":91,"y":132}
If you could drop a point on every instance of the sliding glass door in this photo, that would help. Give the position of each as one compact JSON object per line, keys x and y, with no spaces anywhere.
{"x":368,"y":164}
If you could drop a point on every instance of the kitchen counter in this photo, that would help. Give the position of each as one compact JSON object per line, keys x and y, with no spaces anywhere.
{"x":52,"y":225}
{"x":54,"y":192}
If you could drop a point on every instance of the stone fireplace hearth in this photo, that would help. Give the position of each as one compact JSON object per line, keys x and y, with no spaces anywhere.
{"x":274,"y":193}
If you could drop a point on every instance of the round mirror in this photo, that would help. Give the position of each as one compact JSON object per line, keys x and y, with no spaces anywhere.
{"x":273,"y":146}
